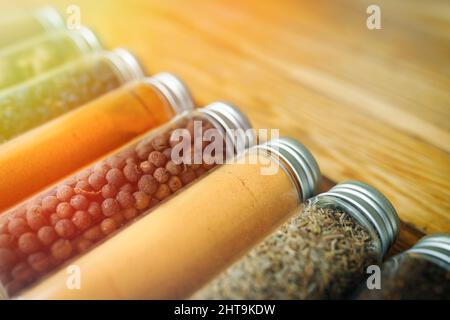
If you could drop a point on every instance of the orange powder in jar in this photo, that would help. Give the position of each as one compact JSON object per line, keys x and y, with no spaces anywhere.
{"x":46,"y":154}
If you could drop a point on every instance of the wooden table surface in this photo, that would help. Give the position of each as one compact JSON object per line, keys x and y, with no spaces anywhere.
{"x":371,"y":105}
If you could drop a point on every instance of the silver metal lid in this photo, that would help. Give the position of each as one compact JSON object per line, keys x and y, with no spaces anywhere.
{"x":237,"y":128}
{"x":301,"y":164}
{"x":90,"y":43}
{"x":126,"y":64}
{"x":436,"y":246}
{"x":369,"y":207}
{"x":174,"y":89}
{"x":49,"y":18}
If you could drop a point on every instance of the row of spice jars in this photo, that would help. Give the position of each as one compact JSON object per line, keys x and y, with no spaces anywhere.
{"x":182,"y":248}
{"x":321,"y":252}
{"x":56,"y":225}
{"x":58,"y":148}
{"x":329,"y":249}
{"x":49,"y":70}
{"x":342,"y":231}
{"x":188,"y":239}
{"x":59,"y":224}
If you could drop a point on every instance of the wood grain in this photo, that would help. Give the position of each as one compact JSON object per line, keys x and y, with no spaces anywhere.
{"x":371,"y":105}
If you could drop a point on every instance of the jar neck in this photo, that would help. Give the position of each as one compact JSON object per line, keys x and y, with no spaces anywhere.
{"x":233,"y":124}
{"x":174,"y":91}
{"x":125,"y":64}
{"x":435,"y":248}
{"x":280,"y":163}
{"x":428,"y":257}
{"x":85,"y":39}
{"x":298,"y":162}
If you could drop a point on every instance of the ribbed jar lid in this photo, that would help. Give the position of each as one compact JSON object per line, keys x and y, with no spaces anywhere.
{"x":89,"y":37}
{"x":369,"y":207}
{"x":174,"y":89}
{"x":436,"y":246}
{"x":49,"y":18}
{"x":301,"y":164}
{"x":126,"y":64}
{"x":233,"y":121}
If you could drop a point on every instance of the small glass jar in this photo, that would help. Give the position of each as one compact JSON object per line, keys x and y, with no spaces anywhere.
{"x":64,"y":222}
{"x":34,"y":56}
{"x":41,"y":157}
{"x":321,"y":253}
{"x":44,"y":97}
{"x":184,"y":242}
{"x":17,"y":26}
{"x":422,"y":272}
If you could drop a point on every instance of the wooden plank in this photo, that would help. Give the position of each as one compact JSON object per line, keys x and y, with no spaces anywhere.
{"x":259,"y":63}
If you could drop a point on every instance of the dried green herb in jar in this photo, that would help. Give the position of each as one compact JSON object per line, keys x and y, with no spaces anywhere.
{"x":422,"y":272}
{"x":34,"y":56}
{"x":42,"y":98}
{"x":322,"y":253}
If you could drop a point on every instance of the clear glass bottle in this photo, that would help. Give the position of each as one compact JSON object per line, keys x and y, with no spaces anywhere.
{"x":422,"y":272}
{"x":186,"y":241}
{"x":40,"y":54}
{"x":58,"y":148}
{"x":46,"y":96}
{"x":321,"y":253}
{"x":19,"y":25}
{"x":64,"y":222}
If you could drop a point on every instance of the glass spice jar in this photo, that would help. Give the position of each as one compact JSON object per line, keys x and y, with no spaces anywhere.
{"x":60,"y":90}
{"x":186,"y":241}
{"x":46,"y":96}
{"x":65,"y":221}
{"x":422,"y":272}
{"x":40,"y":54}
{"x":62,"y":146}
{"x":19,"y":25}
{"x":320,"y":253}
